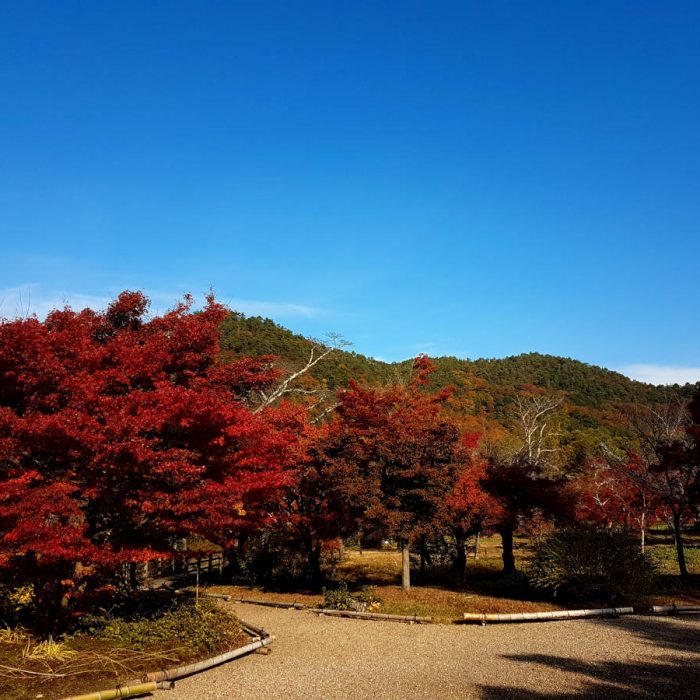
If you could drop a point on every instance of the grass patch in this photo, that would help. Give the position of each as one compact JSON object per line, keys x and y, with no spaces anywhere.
{"x":665,"y":558}
{"x":259,"y":593}
{"x":370,"y":568}
{"x":376,"y":575}
{"x":197,"y":629}
{"x":111,"y":650}
{"x":486,"y":590}
{"x":445,"y":605}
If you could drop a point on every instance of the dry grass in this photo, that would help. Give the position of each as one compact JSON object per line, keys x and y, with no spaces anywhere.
{"x":31,"y":668}
{"x":383,"y":567}
{"x":47,"y":650}
{"x":305,"y":597}
{"x":370,"y":568}
{"x":57,"y":670}
{"x":380,"y":570}
{"x":442,"y":604}
{"x":484,"y":591}
{"x":691,"y":596}
{"x":445,"y":605}
{"x":13,"y":636}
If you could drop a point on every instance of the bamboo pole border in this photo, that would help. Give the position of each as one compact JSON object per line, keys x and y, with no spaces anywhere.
{"x":356,"y":614}
{"x":165,"y":679}
{"x":483,"y":618}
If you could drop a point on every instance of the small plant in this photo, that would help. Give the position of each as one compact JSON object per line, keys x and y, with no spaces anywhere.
{"x":48,"y":650}
{"x":9,"y":635}
{"x":16,"y":604}
{"x":367,"y":599}
{"x":341,"y":599}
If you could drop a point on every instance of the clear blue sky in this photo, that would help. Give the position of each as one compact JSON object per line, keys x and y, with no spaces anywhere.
{"x":466,"y":178}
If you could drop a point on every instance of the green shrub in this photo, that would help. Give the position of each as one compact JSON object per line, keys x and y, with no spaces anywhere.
{"x":17,"y":604}
{"x":592,"y":564}
{"x":199,"y":629}
{"x":341,"y":599}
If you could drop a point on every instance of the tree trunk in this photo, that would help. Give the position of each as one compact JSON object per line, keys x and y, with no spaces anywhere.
{"x":313,"y":558}
{"x":405,"y":566}
{"x":133,"y":575}
{"x":678,"y":537}
{"x":233,"y":562}
{"x":196,"y":587}
{"x":508,"y":556}
{"x":460,"y":565}
{"x":425,"y":559}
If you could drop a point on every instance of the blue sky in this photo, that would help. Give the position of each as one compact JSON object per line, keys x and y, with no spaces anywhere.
{"x":462,"y":178}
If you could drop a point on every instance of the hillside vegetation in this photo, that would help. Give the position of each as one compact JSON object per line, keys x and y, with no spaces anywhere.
{"x":487,"y":381}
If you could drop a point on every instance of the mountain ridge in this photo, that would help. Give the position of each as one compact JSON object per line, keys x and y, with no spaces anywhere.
{"x":584,"y":383}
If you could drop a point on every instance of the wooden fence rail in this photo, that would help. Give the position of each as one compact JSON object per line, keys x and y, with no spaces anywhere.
{"x":206,"y":565}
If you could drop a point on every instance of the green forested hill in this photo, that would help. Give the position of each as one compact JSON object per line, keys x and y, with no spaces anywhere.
{"x":592,"y":393}
{"x":261,"y":336}
{"x":584,"y":384}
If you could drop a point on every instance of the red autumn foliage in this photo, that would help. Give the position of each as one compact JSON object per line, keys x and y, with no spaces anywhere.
{"x":311,"y":512}
{"x":525,"y":493}
{"x":120,"y":433}
{"x":393,"y":454}
{"x":469,"y":509}
{"x":674,"y":462}
{"x":620,"y":493}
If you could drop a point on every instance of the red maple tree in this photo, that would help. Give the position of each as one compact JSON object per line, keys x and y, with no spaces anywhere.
{"x":394,"y":457}
{"x":619,"y":493}
{"x":120,"y":434}
{"x":469,"y":509}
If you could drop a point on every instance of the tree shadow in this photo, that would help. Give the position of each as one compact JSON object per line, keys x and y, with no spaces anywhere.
{"x":677,"y":679}
{"x":662,"y":631}
{"x":668,"y":676}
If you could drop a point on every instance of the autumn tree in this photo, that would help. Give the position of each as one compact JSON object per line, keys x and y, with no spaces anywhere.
{"x":468,"y":508}
{"x":310,"y":511}
{"x":394,"y":456}
{"x":667,"y":438}
{"x":619,"y":492}
{"x":522,"y":476}
{"x":120,"y":433}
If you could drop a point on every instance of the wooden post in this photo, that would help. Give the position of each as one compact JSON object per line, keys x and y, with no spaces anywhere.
{"x":196,"y":595}
{"x":405,"y":566}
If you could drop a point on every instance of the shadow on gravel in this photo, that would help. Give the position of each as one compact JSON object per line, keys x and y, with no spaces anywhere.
{"x":661,"y":632}
{"x":678,"y":679}
{"x":671,"y":678}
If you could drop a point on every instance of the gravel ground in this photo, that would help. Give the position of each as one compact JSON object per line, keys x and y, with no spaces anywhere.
{"x":334,"y":658}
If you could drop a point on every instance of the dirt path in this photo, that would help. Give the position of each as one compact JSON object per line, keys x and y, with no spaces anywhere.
{"x":332,"y":658}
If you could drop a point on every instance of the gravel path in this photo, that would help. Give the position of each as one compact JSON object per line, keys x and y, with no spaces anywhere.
{"x":334,"y":658}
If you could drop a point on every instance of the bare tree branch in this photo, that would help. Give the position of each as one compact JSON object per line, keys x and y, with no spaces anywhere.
{"x":533,"y":417}
{"x":319,"y":351}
